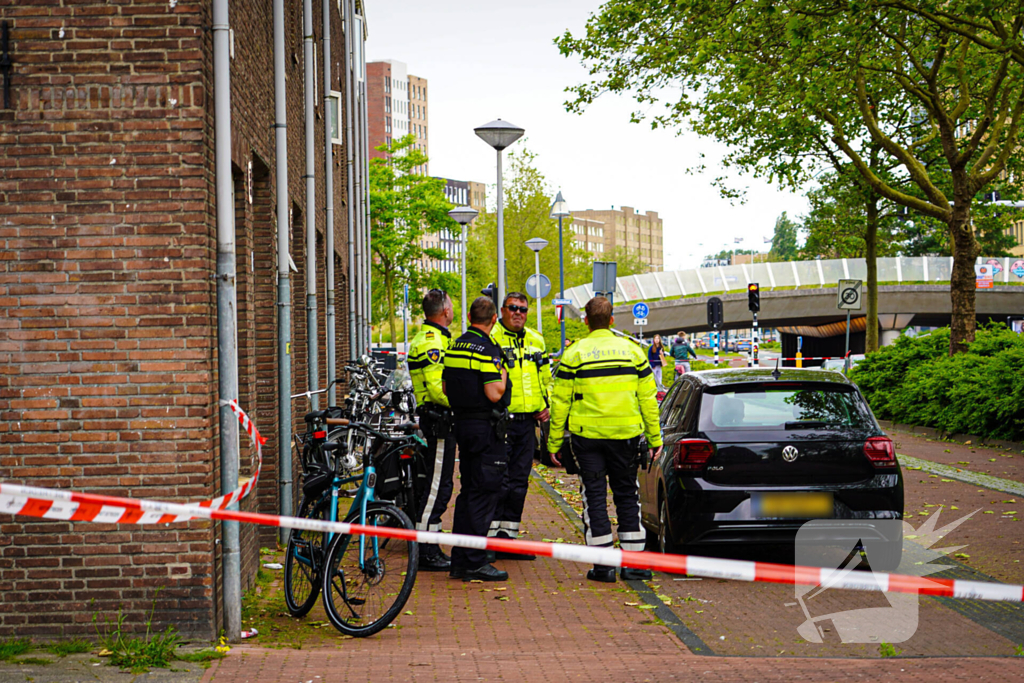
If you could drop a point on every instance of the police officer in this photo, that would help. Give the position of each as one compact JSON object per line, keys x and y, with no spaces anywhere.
{"x":476,"y":382}
{"x":524,"y":349}
{"x":426,"y":363}
{"x":605,"y":390}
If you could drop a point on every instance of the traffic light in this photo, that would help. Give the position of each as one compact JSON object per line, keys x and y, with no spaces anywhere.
{"x":753,"y":297}
{"x":714,"y":312}
{"x":491,"y":290}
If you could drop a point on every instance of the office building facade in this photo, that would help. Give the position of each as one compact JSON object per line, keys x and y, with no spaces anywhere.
{"x":622,"y":228}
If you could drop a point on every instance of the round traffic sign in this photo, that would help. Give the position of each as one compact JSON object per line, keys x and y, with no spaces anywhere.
{"x":531,"y":286}
{"x":640,"y":310}
{"x":850,"y":295}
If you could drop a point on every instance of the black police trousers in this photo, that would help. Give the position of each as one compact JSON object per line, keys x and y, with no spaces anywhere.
{"x":613,"y":461}
{"x":520,"y":443}
{"x":482,"y":463}
{"x":434,"y":486}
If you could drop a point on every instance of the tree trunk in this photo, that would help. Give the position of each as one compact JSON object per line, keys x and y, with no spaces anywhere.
{"x":870,"y":256}
{"x":962,"y":279}
{"x":390,"y":304}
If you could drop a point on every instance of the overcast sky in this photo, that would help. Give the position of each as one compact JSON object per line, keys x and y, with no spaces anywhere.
{"x":486,"y":60}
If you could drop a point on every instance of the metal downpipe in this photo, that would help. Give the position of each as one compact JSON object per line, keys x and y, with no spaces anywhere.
{"x":227,"y":307}
{"x":367,"y":241}
{"x":353,"y":275}
{"x":332,"y":361}
{"x":284,"y":292}
{"x":312,"y":341}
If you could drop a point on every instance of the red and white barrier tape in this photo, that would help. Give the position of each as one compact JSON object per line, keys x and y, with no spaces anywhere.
{"x":54,"y":504}
{"x":109,"y":509}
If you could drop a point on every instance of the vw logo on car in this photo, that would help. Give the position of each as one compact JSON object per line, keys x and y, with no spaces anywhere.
{"x":790,"y":453}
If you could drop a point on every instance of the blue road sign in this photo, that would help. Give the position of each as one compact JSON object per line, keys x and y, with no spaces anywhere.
{"x":641,"y":310}
{"x":562,"y":302}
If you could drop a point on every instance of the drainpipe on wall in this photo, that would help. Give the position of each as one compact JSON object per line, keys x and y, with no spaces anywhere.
{"x":227,"y":306}
{"x":354,"y":312}
{"x":313,"y":369}
{"x":284,"y":292}
{"x":332,"y":364}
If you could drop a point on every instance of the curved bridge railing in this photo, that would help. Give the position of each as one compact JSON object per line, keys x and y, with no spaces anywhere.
{"x":789,"y":274}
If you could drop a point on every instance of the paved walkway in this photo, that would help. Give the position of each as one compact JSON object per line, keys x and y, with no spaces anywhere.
{"x":551,"y":624}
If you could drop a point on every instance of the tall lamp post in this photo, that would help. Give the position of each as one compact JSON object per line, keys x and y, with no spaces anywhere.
{"x":463,"y":215}
{"x":560,"y":210}
{"x":499,"y":135}
{"x":536,"y":244}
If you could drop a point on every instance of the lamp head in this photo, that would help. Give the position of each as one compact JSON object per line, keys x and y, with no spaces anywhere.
{"x":559,"y":209}
{"x":463,"y":214}
{"x":499,"y":134}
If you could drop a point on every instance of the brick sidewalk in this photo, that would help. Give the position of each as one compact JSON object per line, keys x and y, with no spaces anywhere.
{"x":554,"y":625}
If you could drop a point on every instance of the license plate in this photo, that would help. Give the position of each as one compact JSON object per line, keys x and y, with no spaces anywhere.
{"x":798,"y":505}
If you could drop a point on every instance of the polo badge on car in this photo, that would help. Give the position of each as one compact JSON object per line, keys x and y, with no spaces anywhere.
{"x":790,"y":453}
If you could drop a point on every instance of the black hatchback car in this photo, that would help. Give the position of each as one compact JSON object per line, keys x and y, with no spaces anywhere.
{"x":751,"y":455}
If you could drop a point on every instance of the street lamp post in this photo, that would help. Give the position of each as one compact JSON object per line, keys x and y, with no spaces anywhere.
{"x":559,"y":210}
{"x":499,"y":135}
{"x":536,"y":244}
{"x":463,"y":215}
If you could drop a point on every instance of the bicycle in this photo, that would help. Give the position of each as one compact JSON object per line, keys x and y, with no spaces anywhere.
{"x":363,"y":585}
{"x":305,"y":551}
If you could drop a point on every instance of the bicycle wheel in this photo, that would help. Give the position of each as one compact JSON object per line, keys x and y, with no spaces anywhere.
{"x":365,"y":588}
{"x":304,"y":559}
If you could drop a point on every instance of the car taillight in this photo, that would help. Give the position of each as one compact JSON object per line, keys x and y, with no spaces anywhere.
{"x":692,"y":454}
{"x":880,"y":451}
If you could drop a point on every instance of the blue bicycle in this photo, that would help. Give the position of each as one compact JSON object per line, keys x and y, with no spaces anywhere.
{"x":365,"y":580}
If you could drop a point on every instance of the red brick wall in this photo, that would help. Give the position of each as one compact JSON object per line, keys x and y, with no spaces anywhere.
{"x":108,"y":368}
{"x":377,"y":74}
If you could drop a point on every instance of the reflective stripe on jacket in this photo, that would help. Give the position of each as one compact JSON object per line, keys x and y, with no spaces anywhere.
{"x":604,"y":389}
{"x":529,"y":382}
{"x":426,"y":363}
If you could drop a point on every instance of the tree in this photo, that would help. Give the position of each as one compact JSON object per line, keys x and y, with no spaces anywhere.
{"x":784,"y":246}
{"x":728,"y":254}
{"x":527,"y":215}
{"x":627,"y":262}
{"x":937,"y":95}
{"x":403,"y":207}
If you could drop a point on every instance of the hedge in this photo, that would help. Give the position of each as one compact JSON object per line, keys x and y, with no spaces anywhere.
{"x":916,"y":381}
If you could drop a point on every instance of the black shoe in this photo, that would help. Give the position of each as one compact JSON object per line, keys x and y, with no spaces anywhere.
{"x":513,"y":556}
{"x":630,"y":574}
{"x":602,"y":575}
{"x":457,"y":573}
{"x":435,"y":563}
{"x":485,"y":573}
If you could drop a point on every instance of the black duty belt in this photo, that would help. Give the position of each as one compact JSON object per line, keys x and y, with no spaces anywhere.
{"x":521,"y":417}
{"x":474,"y":415}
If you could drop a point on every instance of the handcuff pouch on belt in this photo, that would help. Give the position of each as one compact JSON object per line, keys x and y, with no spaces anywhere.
{"x":438,"y":420}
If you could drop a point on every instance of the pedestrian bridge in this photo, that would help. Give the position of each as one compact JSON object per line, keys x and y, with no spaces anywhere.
{"x":802,"y":294}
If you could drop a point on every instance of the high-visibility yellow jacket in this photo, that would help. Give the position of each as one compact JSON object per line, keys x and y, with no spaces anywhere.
{"x":426,"y":363}
{"x":604,"y":389}
{"x":530,"y":382}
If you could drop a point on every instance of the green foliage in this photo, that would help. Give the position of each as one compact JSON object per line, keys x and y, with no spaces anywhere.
{"x":888,"y":650}
{"x":527,"y":215}
{"x":74,"y":646}
{"x":837,"y":222}
{"x":200,"y":656}
{"x":784,"y":246}
{"x":404,"y":206}
{"x":914,"y":381}
{"x":627,"y":262}
{"x":12,"y":647}
{"x":135,"y":653}
{"x":34,"y":661}
{"x":923,"y":101}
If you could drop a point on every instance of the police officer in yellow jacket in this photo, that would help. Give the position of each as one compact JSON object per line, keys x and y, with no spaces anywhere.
{"x":435,"y":477}
{"x":604,"y":390}
{"x":524,"y":349}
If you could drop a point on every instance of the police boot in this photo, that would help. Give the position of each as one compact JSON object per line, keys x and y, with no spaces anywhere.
{"x":485,"y":573}
{"x":602,"y":574}
{"x":630,"y":574}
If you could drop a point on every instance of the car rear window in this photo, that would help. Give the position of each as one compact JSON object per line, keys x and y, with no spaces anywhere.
{"x":786,"y":407}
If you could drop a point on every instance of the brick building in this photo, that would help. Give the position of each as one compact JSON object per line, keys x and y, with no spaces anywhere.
{"x":108,"y":344}
{"x":625,"y":228}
